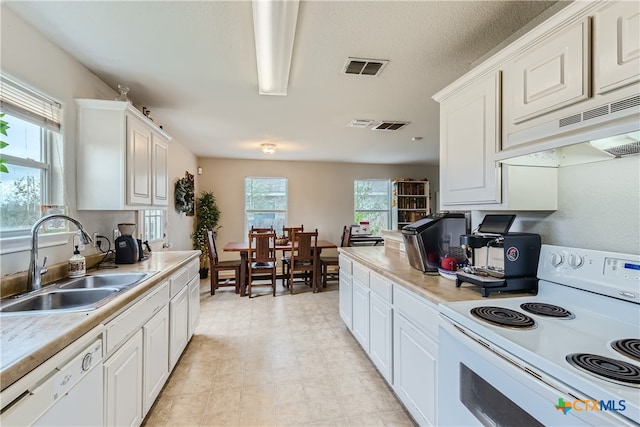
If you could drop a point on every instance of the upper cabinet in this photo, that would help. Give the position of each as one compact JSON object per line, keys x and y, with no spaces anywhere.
{"x":121,"y":158}
{"x":617,"y":45}
{"x":575,"y":75}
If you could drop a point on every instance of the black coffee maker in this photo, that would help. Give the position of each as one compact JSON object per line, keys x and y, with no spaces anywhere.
{"x":499,"y":260}
{"x":127,"y":251}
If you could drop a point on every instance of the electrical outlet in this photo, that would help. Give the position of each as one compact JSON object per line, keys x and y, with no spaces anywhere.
{"x":95,"y":239}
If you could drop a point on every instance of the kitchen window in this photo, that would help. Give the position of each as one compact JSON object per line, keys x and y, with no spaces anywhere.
{"x":265,"y":203}
{"x":372,"y":203}
{"x":33,"y":157}
{"x":151,"y":225}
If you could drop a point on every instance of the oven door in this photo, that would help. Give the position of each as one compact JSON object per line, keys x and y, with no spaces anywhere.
{"x":478,"y":385}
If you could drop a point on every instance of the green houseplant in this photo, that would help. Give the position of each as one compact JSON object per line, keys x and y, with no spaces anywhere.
{"x":207,"y":216}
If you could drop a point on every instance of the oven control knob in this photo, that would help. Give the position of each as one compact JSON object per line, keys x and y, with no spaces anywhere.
{"x":575,"y":261}
{"x":86,"y":361}
{"x":556,"y":259}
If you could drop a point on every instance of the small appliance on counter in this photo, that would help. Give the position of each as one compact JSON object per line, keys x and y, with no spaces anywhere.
{"x":430,"y":239}
{"x":127,"y":251}
{"x":499,"y":260}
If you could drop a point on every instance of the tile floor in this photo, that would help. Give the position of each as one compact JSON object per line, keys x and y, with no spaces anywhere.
{"x":283,"y":361}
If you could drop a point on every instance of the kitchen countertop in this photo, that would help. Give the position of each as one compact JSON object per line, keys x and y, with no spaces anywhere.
{"x":394,"y":265}
{"x":29,"y":339}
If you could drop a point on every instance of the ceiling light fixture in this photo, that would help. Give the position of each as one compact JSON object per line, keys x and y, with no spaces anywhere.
{"x":274,"y":24}
{"x":268,"y":148}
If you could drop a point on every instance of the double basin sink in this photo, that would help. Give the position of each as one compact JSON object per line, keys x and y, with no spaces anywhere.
{"x":74,"y":294}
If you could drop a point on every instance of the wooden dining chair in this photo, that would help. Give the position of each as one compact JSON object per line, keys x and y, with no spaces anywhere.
{"x":217,"y":266}
{"x":304,"y":252}
{"x":262,"y":260}
{"x":332,"y":261}
{"x":287,"y":233}
{"x":261,"y":229}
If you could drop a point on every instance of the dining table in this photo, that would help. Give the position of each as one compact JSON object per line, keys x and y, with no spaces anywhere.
{"x":243,"y":249}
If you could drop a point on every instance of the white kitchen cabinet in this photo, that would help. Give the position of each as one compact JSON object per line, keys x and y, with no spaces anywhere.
{"x":469,"y":138}
{"x":549,"y":75}
{"x":415,"y":357}
{"x":346,"y":291}
{"x":194,"y":304}
{"x":380,"y":336}
{"x":156,"y":356}
{"x":617,"y":45}
{"x":360,"y":281}
{"x":178,"y":325}
{"x":121,"y":158}
{"x":123,"y":380}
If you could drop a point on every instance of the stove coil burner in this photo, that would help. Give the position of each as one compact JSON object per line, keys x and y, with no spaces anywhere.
{"x":629,"y":347}
{"x":504,"y":317}
{"x":615,"y":371}
{"x":549,"y":310}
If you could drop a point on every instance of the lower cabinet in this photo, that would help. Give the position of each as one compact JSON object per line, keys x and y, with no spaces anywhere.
{"x":361,"y":313}
{"x":194,"y":304}
{"x":123,"y":382}
{"x":415,"y":367}
{"x":178,"y":325}
{"x":346,"y":299}
{"x":155,"y":334}
{"x":380,"y":336}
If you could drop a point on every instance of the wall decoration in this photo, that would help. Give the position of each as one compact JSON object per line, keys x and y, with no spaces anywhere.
{"x":185,"y":189}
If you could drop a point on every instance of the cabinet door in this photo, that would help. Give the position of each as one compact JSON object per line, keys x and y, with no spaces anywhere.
{"x":551,"y":74}
{"x":414,"y":370}
{"x":138,"y":162}
{"x":346,"y":299}
{"x":156,"y":356}
{"x":160,"y":173}
{"x":617,"y":45}
{"x":470,"y":136}
{"x":194,"y":304}
{"x":123,"y":377}
{"x":361,"y":313}
{"x":380,"y":329}
{"x":179,"y":325}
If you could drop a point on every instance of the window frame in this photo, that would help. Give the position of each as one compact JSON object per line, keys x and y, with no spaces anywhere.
{"x":247,"y":179}
{"x":387,"y":211}
{"x":142,"y":224}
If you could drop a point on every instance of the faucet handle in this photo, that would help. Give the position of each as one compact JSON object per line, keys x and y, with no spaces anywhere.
{"x":44,"y":269}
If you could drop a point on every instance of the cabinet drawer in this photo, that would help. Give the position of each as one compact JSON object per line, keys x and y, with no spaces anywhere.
{"x":133,"y":318}
{"x":361,"y":273}
{"x":179,"y":281}
{"x":193,"y":268}
{"x":381,"y":287}
{"x":345,"y":264}
{"x":417,"y":310}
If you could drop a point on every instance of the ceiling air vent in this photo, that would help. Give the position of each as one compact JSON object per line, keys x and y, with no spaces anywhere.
{"x":390,"y":126}
{"x":360,"y":123}
{"x":364,"y":67}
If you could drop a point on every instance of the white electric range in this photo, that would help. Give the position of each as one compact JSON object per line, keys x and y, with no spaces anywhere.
{"x":569,"y":355}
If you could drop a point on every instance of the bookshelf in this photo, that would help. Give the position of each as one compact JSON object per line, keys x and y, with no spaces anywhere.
{"x":410,"y":202}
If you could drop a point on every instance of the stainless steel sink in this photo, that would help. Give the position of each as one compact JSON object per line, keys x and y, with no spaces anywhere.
{"x":107,"y":280}
{"x":68,"y":300}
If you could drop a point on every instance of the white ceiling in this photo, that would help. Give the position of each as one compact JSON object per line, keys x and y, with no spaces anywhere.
{"x":193,"y":64}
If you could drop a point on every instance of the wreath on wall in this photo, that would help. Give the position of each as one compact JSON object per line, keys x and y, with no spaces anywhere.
{"x":185,"y":196}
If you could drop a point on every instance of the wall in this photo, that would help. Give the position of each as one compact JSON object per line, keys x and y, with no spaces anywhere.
{"x":32,"y":59}
{"x":320,"y":194}
{"x":598,"y":208}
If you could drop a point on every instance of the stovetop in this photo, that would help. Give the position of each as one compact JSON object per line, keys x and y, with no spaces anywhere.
{"x":596,"y":320}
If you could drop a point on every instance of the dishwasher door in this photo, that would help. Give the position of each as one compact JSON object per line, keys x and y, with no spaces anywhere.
{"x":72,"y":395}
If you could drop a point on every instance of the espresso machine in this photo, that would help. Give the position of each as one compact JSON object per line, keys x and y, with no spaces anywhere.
{"x":499,"y":260}
{"x":127,"y":250}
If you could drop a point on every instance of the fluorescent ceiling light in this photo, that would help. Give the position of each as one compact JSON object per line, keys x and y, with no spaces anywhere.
{"x":274,"y":24}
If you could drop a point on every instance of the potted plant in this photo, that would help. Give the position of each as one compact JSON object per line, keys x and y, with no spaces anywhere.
{"x":207,"y":216}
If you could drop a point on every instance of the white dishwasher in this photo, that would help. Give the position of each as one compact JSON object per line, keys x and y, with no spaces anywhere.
{"x":72,"y":395}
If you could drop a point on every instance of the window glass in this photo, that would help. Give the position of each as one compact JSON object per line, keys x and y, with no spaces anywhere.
{"x":25,"y":187}
{"x":372,"y":203}
{"x":265,"y":202}
{"x":153,"y":225}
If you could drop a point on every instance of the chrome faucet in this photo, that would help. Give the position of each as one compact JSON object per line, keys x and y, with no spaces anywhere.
{"x":35,"y":271}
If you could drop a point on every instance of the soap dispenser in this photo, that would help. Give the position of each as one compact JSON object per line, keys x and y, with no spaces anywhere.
{"x":77,"y":264}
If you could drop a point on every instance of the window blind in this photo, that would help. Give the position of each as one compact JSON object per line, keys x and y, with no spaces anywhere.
{"x":29,"y":105}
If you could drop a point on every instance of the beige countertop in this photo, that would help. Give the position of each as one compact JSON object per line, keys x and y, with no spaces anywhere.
{"x":394,"y":265}
{"x":29,"y":339}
